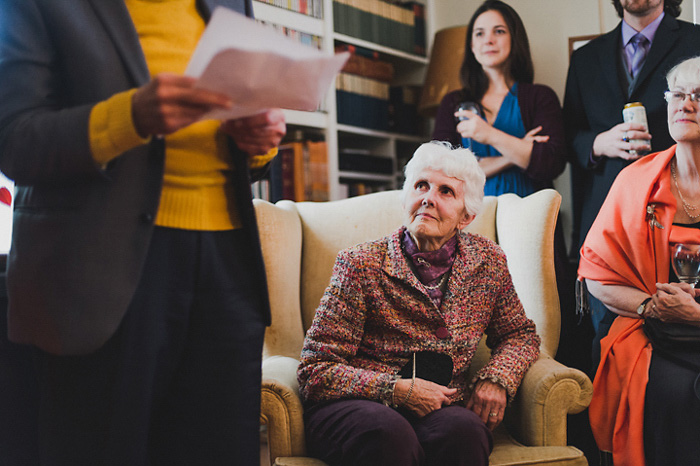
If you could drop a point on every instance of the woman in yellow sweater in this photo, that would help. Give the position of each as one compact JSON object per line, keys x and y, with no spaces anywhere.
{"x":135,"y":269}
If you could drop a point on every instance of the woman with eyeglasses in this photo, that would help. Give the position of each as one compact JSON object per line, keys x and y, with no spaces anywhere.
{"x":646,"y":399}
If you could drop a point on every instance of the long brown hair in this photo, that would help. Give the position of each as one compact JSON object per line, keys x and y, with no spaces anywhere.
{"x":474,"y":80}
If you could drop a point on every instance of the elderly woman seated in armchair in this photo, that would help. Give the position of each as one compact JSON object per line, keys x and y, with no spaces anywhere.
{"x":383,"y":370}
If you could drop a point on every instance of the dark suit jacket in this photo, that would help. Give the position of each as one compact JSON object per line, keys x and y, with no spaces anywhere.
{"x":81,"y":232}
{"x":594,"y":101}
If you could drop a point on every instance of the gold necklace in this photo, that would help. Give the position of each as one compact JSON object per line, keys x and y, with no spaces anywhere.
{"x":439,"y":284}
{"x":686,"y":206}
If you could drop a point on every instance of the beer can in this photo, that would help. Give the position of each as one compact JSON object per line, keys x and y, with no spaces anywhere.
{"x":634,"y":112}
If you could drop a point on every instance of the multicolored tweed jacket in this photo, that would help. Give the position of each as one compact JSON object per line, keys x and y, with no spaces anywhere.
{"x":375,"y":314}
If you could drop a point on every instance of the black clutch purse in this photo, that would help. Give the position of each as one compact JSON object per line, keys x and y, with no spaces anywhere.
{"x":670,"y":336}
{"x":435,"y":367}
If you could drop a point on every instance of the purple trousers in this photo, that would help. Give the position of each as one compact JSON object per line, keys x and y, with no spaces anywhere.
{"x":354,"y":432}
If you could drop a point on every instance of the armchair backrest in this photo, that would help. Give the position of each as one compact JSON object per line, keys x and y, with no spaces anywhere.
{"x":300,"y":242}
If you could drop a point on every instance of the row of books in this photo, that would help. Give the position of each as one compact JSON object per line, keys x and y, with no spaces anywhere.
{"x":298,"y":173}
{"x":365,"y":62}
{"x":398,"y":26}
{"x":361,"y":160}
{"x":362,"y":102}
{"x":306,"y":7}
{"x":303,"y":37}
{"x":373,"y":104}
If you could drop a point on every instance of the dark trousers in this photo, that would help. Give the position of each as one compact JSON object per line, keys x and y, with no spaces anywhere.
{"x":367,"y":433}
{"x":179,"y":382}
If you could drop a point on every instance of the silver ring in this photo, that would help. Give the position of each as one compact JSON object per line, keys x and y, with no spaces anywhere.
{"x":493,"y":414}
{"x":625,"y":138}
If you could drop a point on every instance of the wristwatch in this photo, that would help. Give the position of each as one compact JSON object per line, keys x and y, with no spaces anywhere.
{"x":642,"y":307}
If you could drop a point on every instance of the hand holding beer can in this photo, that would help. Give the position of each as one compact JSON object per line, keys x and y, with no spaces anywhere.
{"x":634,"y":112}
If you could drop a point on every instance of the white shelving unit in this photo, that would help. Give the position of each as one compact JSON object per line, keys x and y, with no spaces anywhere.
{"x":409,"y":70}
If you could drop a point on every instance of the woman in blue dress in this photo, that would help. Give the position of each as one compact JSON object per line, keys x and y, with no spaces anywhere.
{"x":518,"y":132}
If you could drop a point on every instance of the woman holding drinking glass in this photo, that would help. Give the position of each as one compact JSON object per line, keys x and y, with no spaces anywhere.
{"x":646,"y":393}
{"x":518,"y":132}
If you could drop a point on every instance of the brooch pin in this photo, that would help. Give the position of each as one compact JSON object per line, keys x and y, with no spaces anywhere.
{"x":651,"y":217}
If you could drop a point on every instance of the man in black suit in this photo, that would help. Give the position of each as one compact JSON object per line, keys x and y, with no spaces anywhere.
{"x":135,"y":274}
{"x":612,"y":70}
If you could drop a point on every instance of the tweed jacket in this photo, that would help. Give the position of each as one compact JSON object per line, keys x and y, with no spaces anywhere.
{"x":375,"y":313}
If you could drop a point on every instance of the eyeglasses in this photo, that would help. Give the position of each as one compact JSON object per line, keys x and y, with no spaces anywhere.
{"x":676,"y":97}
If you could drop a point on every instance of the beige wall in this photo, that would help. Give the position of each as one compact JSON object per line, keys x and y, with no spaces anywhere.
{"x":549,"y":25}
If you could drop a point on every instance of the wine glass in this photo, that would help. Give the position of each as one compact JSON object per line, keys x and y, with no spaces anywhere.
{"x":686,"y":262}
{"x":472,"y":107}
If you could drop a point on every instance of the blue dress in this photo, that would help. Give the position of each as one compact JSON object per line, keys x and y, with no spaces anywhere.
{"x":510,"y":121}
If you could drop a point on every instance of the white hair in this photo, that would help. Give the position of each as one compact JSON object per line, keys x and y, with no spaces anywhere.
{"x":456,"y":162}
{"x":687,"y":71}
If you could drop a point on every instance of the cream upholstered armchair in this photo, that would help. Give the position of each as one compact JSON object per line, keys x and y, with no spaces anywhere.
{"x":300,"y":242}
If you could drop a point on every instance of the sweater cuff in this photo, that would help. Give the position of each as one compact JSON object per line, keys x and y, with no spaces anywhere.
{"x":112,"y":130}
{"x":259,"y":161}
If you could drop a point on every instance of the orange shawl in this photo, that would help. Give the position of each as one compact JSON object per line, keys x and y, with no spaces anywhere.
{"x":628,"y":245}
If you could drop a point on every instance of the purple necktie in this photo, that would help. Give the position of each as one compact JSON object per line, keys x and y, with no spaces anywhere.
{"x":639,"y":43}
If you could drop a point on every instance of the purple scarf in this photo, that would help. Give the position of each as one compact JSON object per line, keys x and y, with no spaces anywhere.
{"x":430,"y":266}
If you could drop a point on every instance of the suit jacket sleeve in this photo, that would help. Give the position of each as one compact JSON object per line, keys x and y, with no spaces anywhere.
{"x":539,"y":106}
{"x":578,"y":130}
{"x":41,"y":137}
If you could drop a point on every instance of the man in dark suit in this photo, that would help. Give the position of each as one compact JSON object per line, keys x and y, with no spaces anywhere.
{"x":628,"y":64}
{"x":135,"y":271}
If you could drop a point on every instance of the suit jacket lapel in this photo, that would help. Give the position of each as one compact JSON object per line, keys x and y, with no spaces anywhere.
{"x":609,"y":60}
{"x":665,"y":38}
{"x":117,"y":22}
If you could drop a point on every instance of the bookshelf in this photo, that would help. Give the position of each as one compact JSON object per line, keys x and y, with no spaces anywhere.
{"x":391,"y":149}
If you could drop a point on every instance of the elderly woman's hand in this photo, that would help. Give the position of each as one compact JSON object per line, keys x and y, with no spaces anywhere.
{"x":675,"y":302}
{"x":425,"y":398}
{"x":488,"y":401}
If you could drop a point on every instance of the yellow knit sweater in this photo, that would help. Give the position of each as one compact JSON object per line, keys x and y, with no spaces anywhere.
{"x":197,"y":192}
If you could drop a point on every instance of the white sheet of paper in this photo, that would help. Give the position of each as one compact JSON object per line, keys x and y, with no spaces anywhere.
{"x":259,"y":68}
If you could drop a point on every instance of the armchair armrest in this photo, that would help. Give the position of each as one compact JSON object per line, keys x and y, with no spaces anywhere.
{"x":549,"y":392}
{"x":281,"y":408}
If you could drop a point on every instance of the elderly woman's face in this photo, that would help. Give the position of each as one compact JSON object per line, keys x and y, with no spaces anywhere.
{"x":434,"y":209}
{"x":683,"y":118}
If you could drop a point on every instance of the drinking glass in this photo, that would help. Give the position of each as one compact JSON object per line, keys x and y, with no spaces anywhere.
{"x":472,"y":107}
{"x":686,"y":262}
